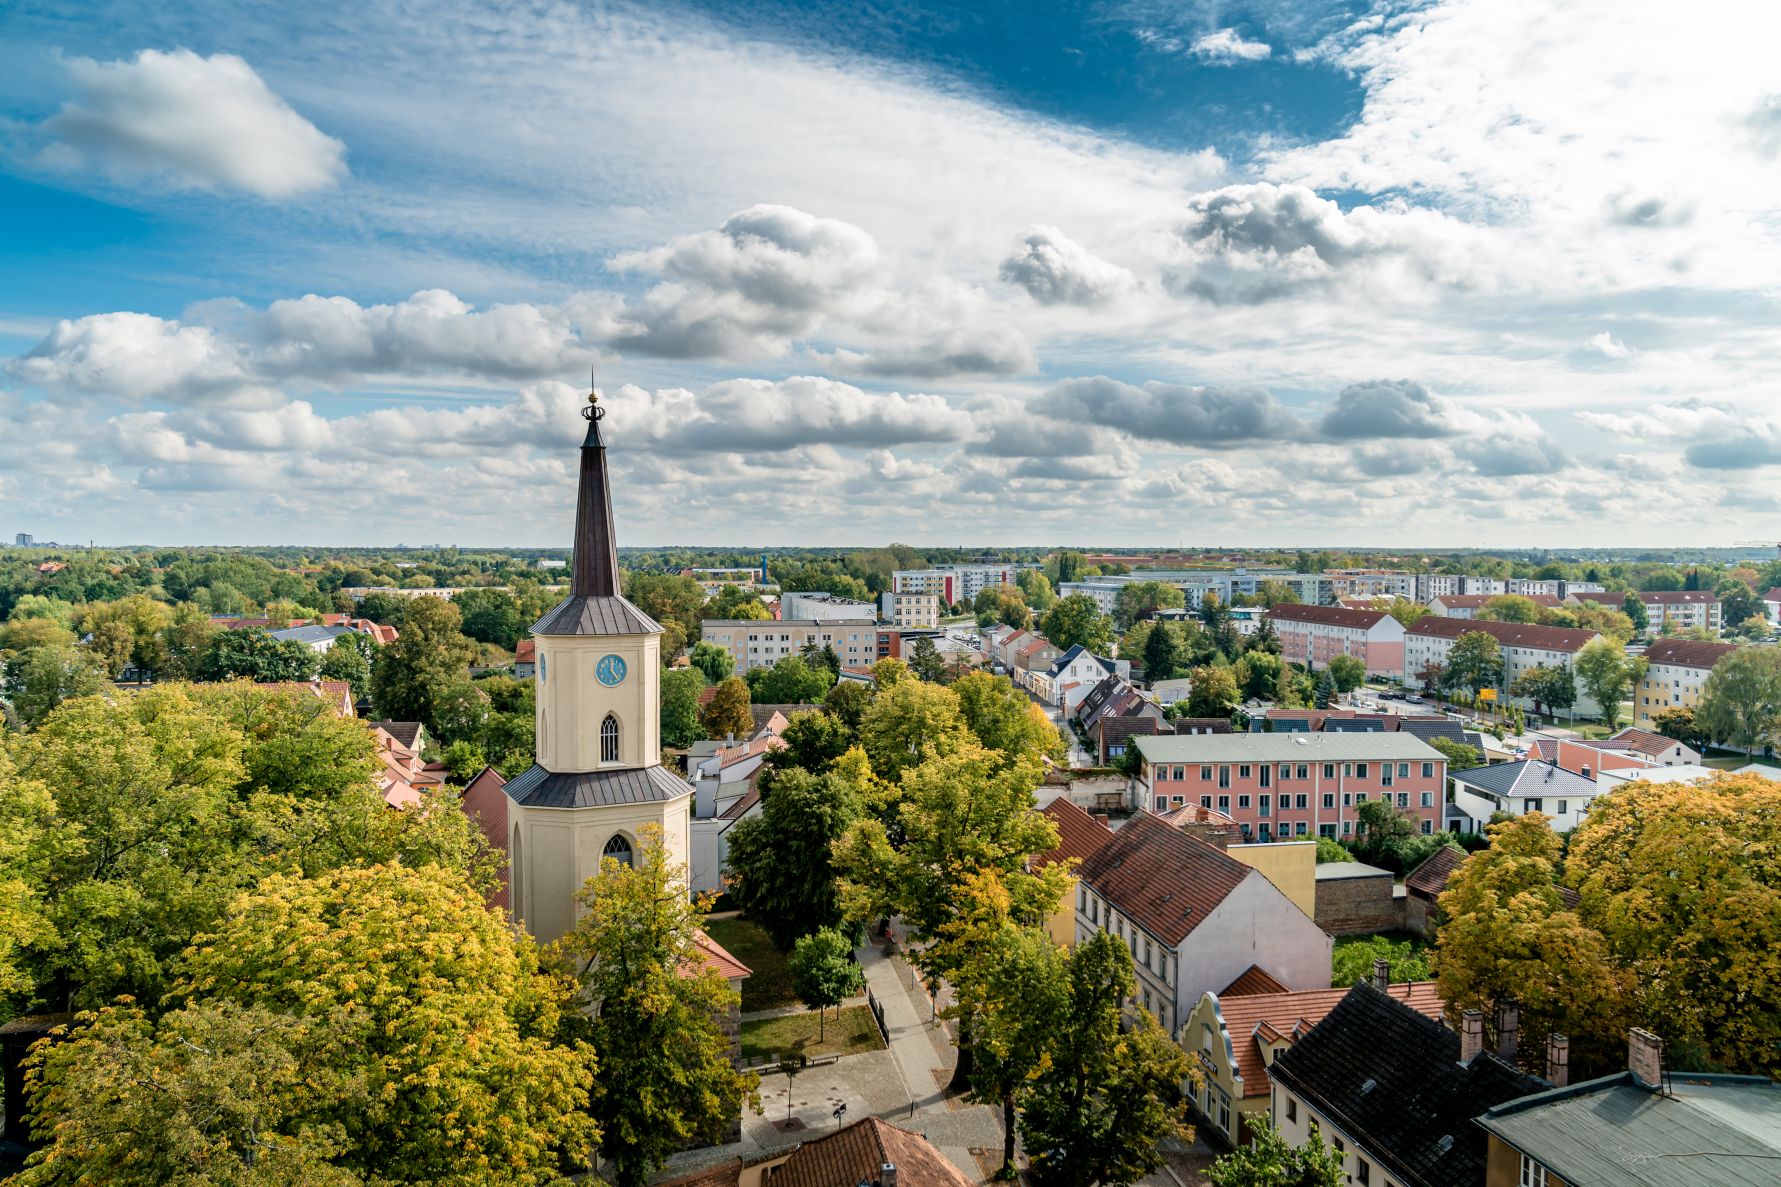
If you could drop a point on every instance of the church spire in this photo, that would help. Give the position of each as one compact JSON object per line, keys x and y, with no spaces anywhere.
{"x":596,"y":547}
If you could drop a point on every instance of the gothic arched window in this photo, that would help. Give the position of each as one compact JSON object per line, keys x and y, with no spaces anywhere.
{"x":609,"y":739}
{"x":618,"y":849}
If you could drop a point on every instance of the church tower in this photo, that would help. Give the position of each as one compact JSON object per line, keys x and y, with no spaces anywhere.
{"x":598,"y":779}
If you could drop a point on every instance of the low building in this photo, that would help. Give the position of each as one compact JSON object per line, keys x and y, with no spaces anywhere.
{"x":956,"y":583}
{"x":1393,"y":1092}
{"x":1314,"y":635}
{"x":1643,"y":1127}
{"x":1194,"y":917}
{"x":1517,"y":788}
{"x":525,"y":659}
{"x":911,"y":611}
{"x":763,"y":643}
{"x":824,"y":607}
{"x":1468,"y":605}
{"x":1072,"y":676}
{"x":870,"y":1151}
{"x":1525,"y":646}
{"x":1424,"y":885}
{"x":318,"y":639}
{"x":1675,"y":676}
{"x":1678,"y":609}
{"x":1278,"y":786}
{"x":1236,"y":1034}
{"x":1356,"y":899}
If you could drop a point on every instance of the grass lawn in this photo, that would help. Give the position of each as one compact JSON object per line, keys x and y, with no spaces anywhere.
{"x":848,"y":1033}
{"x":770,"y":986}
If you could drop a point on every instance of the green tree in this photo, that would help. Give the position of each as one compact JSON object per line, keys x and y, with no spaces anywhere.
{"x":737,"y":603}
{"x":1138,"y":600}
{"x":847,"y":701}
{"x":41,"y":678}
{"x":490,"y":616}
{"x":1353,"y":960}
{"x":430,"y":655}
{"x":1331,"y":850}
{"x":1163,"y":658}
{"x":1738,"y":603}
{"x":823,"y":657}
{"x":1258,"y":675}
{"x":1267,"y":1161}
{"x":674,"y":601}
{"x":1680,"y":724}
{"x":1550,"y":689}
{"x":1036,"y":589}
{"x":1325,"y":693}
{"x":925,"y":661}
{"x":444,"y":1015}
{"x":1097,"y":1111}
{"x":1213,"y":693}
{"x":1510,"y":608}
{"x":346,"y":661}
{"x":781,"y":860}
{"x":714,"y":661}
{"x":680,"y":706}
{"x":1004,"y":719}
{"x":666,"y":1080}
{"x":1076,"y":620}
{"x":811,"y":741}
{"x":460,"y":711}
{"x":726,"y":715}
{"x":253,"y":653}
{"x":1277,"y":593}
{"x":386,"y":609}
{"x":791,"y":681}
{"x":1348,"y":672}
{"x":1634,"y":609}
{"x":824,"y":973}
{"x":1460,"y":756}
{"x":185,"y":644}
{"x":910,"y":722}
{"x":1741,"y":702}
{"x":1064,"y":566}
{"x":1605,"y":670}
{"x":111,"y":644}
{"x":465,"y":760}
{"x":1474,"y":662}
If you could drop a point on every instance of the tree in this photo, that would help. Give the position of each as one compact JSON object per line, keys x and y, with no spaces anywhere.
{"x":1097,"y":1111}
{"x":811,"y":741}
{"x":1035,"y":589}
{"x":847,"y":701}
{"x":443,"y":1014}
{"x":1004,"y":719}
{"x":1163,"y":652}
{"x":781,"y":860}
{"x":1258,"y":675}
{"x":791,"y":681}
{"x":1680,"y":724}
{"x":672,"y":600}
{"x":253,"y":653}
{"x":889,"y":671}
{"x":1460,"y":756}
{"x":386,"y":609}
{"x":111,"y":644}
{"x":1331,"y":850}
{"x":344,"y":660}
{"x":666,"y":1079}
{"x":1078,"y":621}
{"x":1277,"y":593}
{"x":1554,"y":688}
{"x":1325,"y":693}
{"x":680,"y":706}
{"x":490,"y":616}
{"x":713,"y":660}
{"x":726,"y":715}
{"x":1738,"y":603}
{"x":823,"y":657}
{"x":1064,"y":566}
{"x":1474,"y":662}
{"x":40,"y":678}
{"x":1213,"y":692}
{"x":925,"y":662}
{"x":1683,"y":882}
{"x":1267,"y":1161}
{"x":1634,"y":609}
{"x":1348,"y":672}
{"x":738,"y":603}
{"x":430,"y":655}
{"x":1605,"y":670}
{"x":1353,"y":960}
{"x":1741,"y":702}
{"x":1405,"y":611}
{"x":1138,"y":600}
{"x":908,"y":723}
{"x":1593,"y":616}
{"x":1432,"y":675}
{"x":824,"y":973}
{"x":1510,"y":608}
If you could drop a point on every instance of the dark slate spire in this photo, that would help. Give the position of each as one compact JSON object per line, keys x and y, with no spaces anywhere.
{"x":596,"y":547}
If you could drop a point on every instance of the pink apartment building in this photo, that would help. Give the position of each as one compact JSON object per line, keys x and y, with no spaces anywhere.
{"x":1314,"y":635}
{"x":1286,"y":786}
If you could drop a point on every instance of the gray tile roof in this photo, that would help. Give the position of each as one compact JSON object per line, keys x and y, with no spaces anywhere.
{"x":1286,"y":747}
{"x":539,"y":788}
{"x":311,"y":634}
{"x":596,"y":616}
{"x":1526,"y":777}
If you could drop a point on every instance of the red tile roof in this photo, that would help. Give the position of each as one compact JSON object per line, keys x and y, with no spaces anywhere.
{"x":1254,"y":979}
{"x":1326,"y":615}
{"x":1509,"y":634}
{"x":1688,"y":653}
{"x":1653,"y":597}
{"x":1288,"y":1015}
{"x":526,"y":651}
{"x":1644,"y":741}
{"x":1161,"y":877}
{"x":1477,"y":601}
{"x":1078,"y":833}
{"x":718,"y":958}
{"x":1430,"y":878}
{"x":857,"y":1152}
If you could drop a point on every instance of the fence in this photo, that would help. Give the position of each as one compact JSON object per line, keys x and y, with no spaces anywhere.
{"x":877,"y":1008}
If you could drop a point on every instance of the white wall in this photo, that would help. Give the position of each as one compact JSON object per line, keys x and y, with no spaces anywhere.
{"x":1255,"y":924}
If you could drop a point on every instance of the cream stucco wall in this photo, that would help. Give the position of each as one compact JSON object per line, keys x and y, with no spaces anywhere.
{"x":1289,"y":865}
{"x":572,"y":702}
{"x":554,"y":851}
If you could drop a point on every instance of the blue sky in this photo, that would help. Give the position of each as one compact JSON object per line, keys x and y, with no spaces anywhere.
{"x":1442,"y":273}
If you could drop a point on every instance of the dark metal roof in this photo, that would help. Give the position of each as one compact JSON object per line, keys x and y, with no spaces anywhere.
{"x":594,"y":572}
{"x":613,"y":615}
{"x":539,"y":788}
{"x":1526,"y":777}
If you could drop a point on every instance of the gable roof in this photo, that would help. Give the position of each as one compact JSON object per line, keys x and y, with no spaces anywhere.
{"x":1477,"y":601}
{"x":1326,"y":615}
{"x":1285,"y":747}
{"x":1688,"y":653}
{"x":1285,"y":1014}
{"x":1430,"y":878}
{"x":525,"y":651}
{"x":718,"y":957}
{"x":1078,"y":833}
{"x":406,"y":732}
{"x":853,"y":1155}
{"x":1252,"y":980}
{"x":1390,"y":1077}
{"x":1509,"y":634}
{"x":1160,"y":877}
{"x":1527,"y":777}
{"x":1644,"y":741}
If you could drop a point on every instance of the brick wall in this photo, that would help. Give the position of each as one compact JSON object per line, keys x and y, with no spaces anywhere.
{"x":1356,"y":906}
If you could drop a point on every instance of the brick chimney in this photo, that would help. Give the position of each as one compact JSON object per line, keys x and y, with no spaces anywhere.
{"x":1471,"y":1035}
{"x":1381,"y":974}
{"x":1558,"y":1060}
{"x":887,"y":1175}
{"x":1645,"y":1058}
{"x":1508,"y":1023}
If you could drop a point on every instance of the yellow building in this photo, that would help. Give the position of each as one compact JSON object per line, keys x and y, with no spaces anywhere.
{"x":1676,"y":675}
{"x":1079,"y":835}
{"x":1290,"y":865}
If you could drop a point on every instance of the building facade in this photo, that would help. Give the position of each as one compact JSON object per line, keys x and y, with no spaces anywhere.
{"x":1675,"y":676}
{"x":955,"y":583}
{"x":1430,"y":639}
{"x":1679,"y":609}
{"x":763,"y":643}
{"x":1314,"y":635}
{"x":909,"y":611}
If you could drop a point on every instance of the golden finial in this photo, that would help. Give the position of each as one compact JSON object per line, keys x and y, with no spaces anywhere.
{"x":593,"y":411}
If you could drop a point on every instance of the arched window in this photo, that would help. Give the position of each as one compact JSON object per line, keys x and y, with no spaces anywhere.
{"x":543,"y":669}
{"x":618,"y":849}
{"x":516,"y":877}
{"x":609,"y":739}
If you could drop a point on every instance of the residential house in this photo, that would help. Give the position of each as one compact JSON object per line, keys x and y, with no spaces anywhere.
{"x":870,"y":1152}
{"x":1678,"y":609}
{"x":1278,"y":786}
{"x":1430,"y":586}
{"x":1073,"y":675}
{"x":1517,"y":788}
{"x":1525,"y":646}
{"x":1588,"y":758}
{"x":1771,"y":606}
{"x":1642,"y":1127}
{"x":1468,"y":605}
{"x":525,"y":659}
{"x":337,"y":694}
{"x":1370,"y":583}
{"x":1394,"y":1092}
{"x":1079,"y":835}
{"x":1194,"y":917}
{"x":1236,"y":1034}
{"x":1314,"y":635}
{"x":1035,"y":653}
{"x":914,"y":611}
{"x":485,"y":803}
{"x":402,"y":775}
{"x":763,"y":643}
{"x":1167,"y":692}
{"x":1675,"y":676}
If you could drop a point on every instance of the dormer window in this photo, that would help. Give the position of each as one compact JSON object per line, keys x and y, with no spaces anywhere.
{"x":609,"y":739}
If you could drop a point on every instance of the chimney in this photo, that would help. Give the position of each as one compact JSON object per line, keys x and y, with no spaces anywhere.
{"x":1645,"y":1058}
{"x":1508,"y":1022}
{"x":1586,"y":770}
{"x":1381,"y":974}
{"x":1471,"y":1035}
{"x":1558,"y":1060}
{"x":887,"y":1175}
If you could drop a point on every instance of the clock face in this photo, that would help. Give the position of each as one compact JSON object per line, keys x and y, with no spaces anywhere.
{"x":610,"y":670}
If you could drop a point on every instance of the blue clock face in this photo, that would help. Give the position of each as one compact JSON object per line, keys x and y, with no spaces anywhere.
{"x":610,"y":670}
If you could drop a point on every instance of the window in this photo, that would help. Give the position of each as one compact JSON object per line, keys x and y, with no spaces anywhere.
{"x":1532,"y":1173}
{"x":1428,"y":799}
{"x":1082,"y":901}
{"x":1302,"y":802}
{"x":1326,"y":830}
{"x":1292,"y":1109}
{"x":1329,"y":799}
{"x":1360,"y":770}
{"x":1205,"y":774}
{"x":543,"y":668}
{"x":1534,"y":805}
{"x":609,"y":739}
{"x":618,"y":849}
{"x":1265,"y":805}
{"x":1224,"y":803}
{"x":1428,"y":770}
{"x":1162,"y":803}
{"x":1224,"y":776}
{"x":1286,"y":770}
{"x":1304,"y":772}
{"x":1329,"y":770}
{"x":1348,"y":828}
{"x":1243,"y":771}
{"x":1242,"y":801}
{"x":1560,"y":808}
{"x":1299,"y":829}
{"x":1403,"y":770}
{"x":1428,"y":827}
{"x":1385,"y":774}
{"x":1363,"y":1171}
{"x":1267,"y":774}
{"x":1177,"y":774}
{"x":1205,"y":801}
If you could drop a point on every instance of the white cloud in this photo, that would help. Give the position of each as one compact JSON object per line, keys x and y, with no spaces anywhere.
{"x":1225,"y":47}
{"x":193,"y":123}
{"x":1605,"y":343}
{"x":132,"y":357}
{"x":1056,"y":270}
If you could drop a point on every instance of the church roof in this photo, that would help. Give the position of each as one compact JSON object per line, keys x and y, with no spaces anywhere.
{"x":539,"y":788}
{"x":596,"y":616}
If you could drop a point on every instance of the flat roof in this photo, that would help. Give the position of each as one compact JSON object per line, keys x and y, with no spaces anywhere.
{"x":1330,"y":870}
{"x":1306,"y":747}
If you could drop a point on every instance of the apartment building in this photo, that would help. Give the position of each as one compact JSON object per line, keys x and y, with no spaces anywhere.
{"x":761,"y":644}
{"x":1675,"y":676}
{"x":1277,"y":786}
{"x":1314,"y":635}
{"x":823,"y":607}
{"x":1103,"y":591}
{"x":955,"y":583}
{"x":1468,"y":605}
{"x":1430,"y":639}
{"x":1679,"y":609}
{"x":1369,"y":583}
{"x":1430,"y":586}
{"x":910,"y":611}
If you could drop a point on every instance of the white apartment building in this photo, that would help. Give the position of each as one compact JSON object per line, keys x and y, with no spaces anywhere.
{"x":955,"y":583}
{"x":1430,"y":586}
{"x":763,"y":643}
{"x":1369,"y":583}
{"x":1677,"y":608}
{"x":1468,"y":605}
{"x":823,"y":607}
{"x":910,"y":611}
{"x":1431,"y":637}
{"x":1104,"y":591}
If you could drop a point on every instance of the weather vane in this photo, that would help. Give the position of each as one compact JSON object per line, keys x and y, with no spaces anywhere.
{"x":593,"y":411}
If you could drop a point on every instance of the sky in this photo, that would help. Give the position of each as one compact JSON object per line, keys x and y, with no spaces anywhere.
{"x":1448,"y":273}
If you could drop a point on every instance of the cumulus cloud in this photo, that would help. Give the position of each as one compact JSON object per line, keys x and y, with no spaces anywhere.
{"x":1605,"y":343}
{"x":962,"y":351}
{"x":1056,"y":270}
{"x":1226,"y":47}
{"x":758,"y":414}
{"x":1212,"y":417}
{"x":1512,"y":455}
{"x":1386,"y":408}
{"x":193,"y":123}
{"x":132,"y":357}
